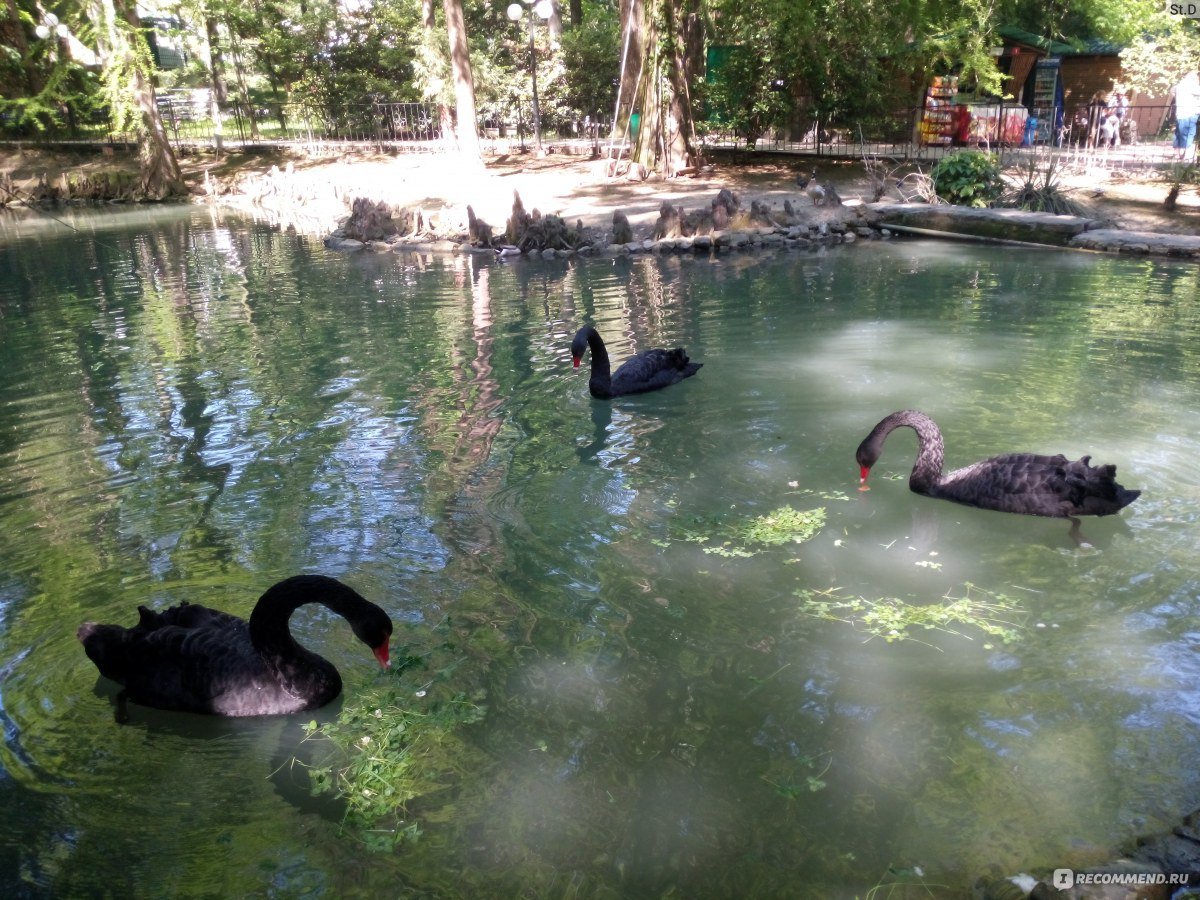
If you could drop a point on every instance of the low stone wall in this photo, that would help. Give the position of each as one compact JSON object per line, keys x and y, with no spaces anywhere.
{"x":1014,"y":225}
{"x":721,"y":227}
{"x":794,"y":237}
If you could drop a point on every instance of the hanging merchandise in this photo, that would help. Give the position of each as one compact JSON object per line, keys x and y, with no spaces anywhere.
{"x":937,"y":120}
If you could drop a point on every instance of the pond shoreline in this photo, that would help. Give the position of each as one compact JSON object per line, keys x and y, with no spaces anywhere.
{"x":314,"y":194}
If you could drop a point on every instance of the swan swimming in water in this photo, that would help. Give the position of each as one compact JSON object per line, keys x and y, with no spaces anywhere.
{"x":196,"y":659}
{"x":647,"y":371}
{"x":1024,"y":483}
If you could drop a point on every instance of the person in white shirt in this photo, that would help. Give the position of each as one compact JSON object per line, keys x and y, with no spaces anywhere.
{"x":1187,"y":108}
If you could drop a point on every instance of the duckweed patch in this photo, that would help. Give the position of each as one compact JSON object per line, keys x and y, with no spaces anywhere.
{"x":995,"y":615}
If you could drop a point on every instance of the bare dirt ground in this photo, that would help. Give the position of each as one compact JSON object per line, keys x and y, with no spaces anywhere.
{"x":573,"y":186}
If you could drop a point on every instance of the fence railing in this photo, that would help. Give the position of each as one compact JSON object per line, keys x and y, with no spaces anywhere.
{"x":1142,"y":137}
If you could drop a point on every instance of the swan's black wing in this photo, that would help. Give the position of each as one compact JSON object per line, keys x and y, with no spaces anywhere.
{"x":652,"y":370}
{"x":187,"y":658}
{"x":1036,"y":485}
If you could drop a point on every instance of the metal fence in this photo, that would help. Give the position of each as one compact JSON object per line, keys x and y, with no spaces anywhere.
{"x":193,"y":121}
{"x":1143,"y":136}
{"x":1143,"y":139}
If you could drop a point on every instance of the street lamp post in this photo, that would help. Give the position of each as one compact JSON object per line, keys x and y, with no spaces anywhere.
{"x":542,"y":9}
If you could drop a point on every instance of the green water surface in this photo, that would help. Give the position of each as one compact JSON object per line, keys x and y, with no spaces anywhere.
{"x":195,"y":405}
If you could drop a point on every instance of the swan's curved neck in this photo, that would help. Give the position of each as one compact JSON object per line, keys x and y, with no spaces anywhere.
{"x":269,"y":631}
{"x":927,"y":470}
{"x":601,"y":367}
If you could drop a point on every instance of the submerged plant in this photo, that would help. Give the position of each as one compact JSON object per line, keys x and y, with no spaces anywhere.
{"x":398,"y":742}
{"x":894,"y":619}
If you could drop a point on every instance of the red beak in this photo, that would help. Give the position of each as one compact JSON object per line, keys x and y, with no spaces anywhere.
{"x":863,"y":472}
{"x":381,"y":654}
{"x":576,"y":359}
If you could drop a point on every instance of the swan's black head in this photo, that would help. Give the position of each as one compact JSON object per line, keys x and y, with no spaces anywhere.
{"x":373,"y":627}
{"x":578,"y":345}
{"x":866,"y":456}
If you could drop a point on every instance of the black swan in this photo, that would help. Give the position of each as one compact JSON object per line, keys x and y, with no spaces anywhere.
{"x":1016,"y":482}
{"x":196,"y":659}
{"x":648,"y":371}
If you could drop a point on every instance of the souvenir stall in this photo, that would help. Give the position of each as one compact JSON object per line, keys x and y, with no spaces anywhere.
{"x":995,"y":124}
{"x":937,"y":118}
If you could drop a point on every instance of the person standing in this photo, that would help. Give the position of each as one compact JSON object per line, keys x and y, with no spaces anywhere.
{"x":1095,"y":117}
{"x":1187,"y":107}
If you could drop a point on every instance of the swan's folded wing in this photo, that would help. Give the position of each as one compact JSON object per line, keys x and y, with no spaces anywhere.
{"x":174,"y":667}
{"x":1026,"y":483}
{"x":652,"y":370}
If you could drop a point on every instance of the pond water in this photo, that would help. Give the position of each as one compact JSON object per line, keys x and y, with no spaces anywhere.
{"x":194,"y":405}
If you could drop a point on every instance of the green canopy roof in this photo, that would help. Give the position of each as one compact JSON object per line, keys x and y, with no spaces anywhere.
{"x":1083,"y":47}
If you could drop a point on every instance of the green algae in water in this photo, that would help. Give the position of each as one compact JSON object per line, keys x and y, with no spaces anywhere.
{"x":785,"y":525}
{"x":894,"y":619}
{"x":396,"y":743}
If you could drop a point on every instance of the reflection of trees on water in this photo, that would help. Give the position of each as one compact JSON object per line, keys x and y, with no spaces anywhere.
{"x":461,"y":418}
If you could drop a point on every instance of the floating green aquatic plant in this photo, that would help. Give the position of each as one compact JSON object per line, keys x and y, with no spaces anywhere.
{"x":785,"y":525}
{"x":397,"y":742}
{"x":894,"y":619}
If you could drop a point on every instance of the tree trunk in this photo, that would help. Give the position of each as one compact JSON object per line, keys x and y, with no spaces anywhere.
{"x":216,"y":61}
{"x":466,"y":129}
{"x":632,"y":16}
{"x":683,"y":70}
{"x":429,"y":21}
{"x":576,"y":7}
{"x":116,"y":20}
{"x":666,"y":137}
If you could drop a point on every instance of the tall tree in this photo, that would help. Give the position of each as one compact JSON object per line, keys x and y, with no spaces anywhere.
{"x":660,"y":64}
{"x":431,"y":71}
{"x":466,"y":129}
{"x":125,"y":56}
{"x":216,"y":56}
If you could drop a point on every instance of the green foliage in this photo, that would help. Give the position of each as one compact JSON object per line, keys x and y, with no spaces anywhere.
{"x":855,"y":59}
{"x":591,"y":62}
{"x":396,"y":742}
{"x":743,"y":98}
{"x":1119,"y":21}
{"x":1156,"y":60}
{"x":968,"y":178}
{"x":894,"y":619}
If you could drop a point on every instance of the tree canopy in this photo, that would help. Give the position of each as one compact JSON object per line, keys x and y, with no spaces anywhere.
{"x":688,"y":64}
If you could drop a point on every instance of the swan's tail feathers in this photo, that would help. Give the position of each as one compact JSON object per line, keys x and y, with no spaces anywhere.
{"x":1096,"y":490}
{"x":105,"y":646}
{"x":679,"y":360}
